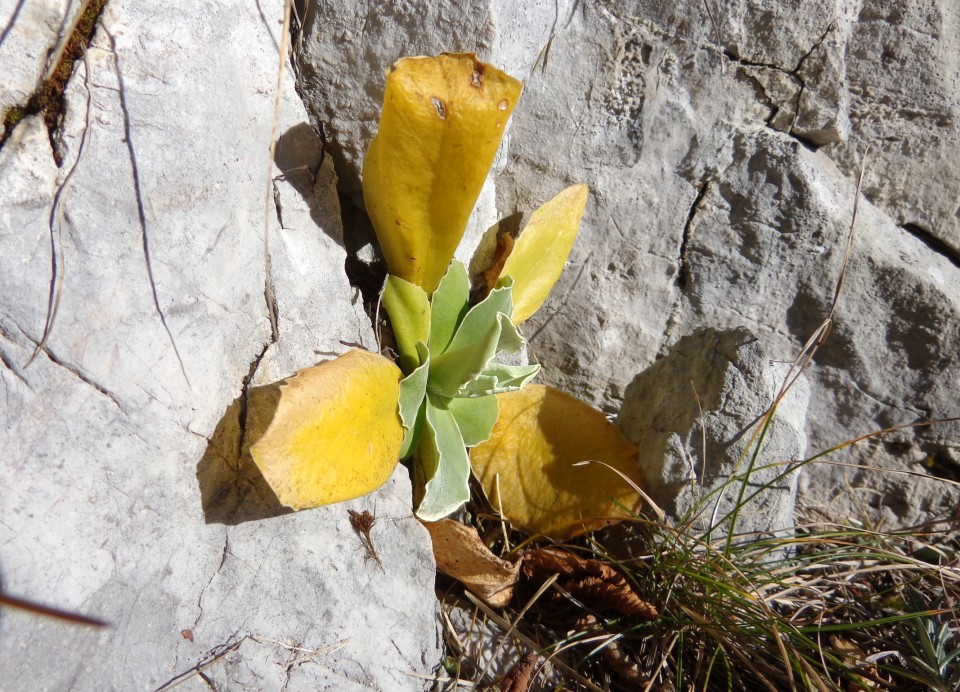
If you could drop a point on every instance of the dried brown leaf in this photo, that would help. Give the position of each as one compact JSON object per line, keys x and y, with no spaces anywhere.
{"x":461,"y":554}
{"x":521,"y":675}
{"x":587,"y":580}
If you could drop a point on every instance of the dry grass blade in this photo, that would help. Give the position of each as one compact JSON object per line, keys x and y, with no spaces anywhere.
{"x":533,"y":599}
{"x":55,"y":221}
{"x":529,"y":643}
{"x":46,"y":611}
{"x":821,"y":333}
{"x":649,"y":500}
{"x":268,"y":194}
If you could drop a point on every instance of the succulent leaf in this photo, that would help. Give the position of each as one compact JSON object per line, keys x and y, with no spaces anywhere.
{"x":475,"y":417}
{"x":448,"y":305}
{"x":442,"y":121}
{"x":409,"y":311}
{"x":413,"y":392}
{"x":540,"y":253}
{"x":444,"y":463}
{"x":336,"y":432}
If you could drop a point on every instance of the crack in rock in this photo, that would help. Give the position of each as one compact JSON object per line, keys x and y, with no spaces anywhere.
{"x":682,"y":278}
{"x":48,"y":98}
{"x":86,"y":379}
{"x":203,"y":591}
{"x":11,"y":367}
{"x":778,"y":106}
{"x":934,"y":243}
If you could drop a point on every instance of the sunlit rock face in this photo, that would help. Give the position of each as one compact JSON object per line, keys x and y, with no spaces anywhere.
{"x":127,"y":491}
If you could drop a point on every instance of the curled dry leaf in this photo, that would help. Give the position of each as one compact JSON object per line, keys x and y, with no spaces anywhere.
{"x":521,"y":675}
{"x":540,"y":437}
{"x":588,"y":580}
{"x":462,"y":555}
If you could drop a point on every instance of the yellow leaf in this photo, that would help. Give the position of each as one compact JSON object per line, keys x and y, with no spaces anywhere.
{"x":336,"y":433}
{"x":541,"y":251}
{"x":442,"y":121}
{"x":461,"y":554}
{"x":540,"y":434}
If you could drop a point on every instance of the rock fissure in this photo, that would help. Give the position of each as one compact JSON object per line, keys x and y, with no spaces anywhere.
{"x":733,"y":56}
{"x":792,"y":104}
{"x":83,"y":377}
{"x":11,"y":366}
{"x":796,"y":74}
{"x":48,"y":98}
{"x":682,"y":277}
{"x":932,"y":241}
{"x":223,"y":559}
{"x":245,"y":396}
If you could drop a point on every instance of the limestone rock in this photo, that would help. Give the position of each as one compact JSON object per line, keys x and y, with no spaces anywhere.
{"x":695,"y":416}
{"x":722,"y":142}
{"x":125,"y":496}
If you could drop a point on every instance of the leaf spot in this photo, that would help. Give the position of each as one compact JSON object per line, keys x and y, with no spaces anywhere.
{"x":441,"y":108}
{"x":503,"y":105}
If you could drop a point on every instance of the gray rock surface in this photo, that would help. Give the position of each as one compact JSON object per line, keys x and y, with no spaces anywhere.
{"x":722,"y":150}
{"x":125,"y":493}
{"x":696,"y":416}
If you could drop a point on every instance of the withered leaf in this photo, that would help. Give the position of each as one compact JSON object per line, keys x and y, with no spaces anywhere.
{"x":461,"y":554}
{"x":587,"y":580}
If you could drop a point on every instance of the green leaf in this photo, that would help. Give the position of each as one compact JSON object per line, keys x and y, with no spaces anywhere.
{"x":444,"y":464}
{"x":498,"y":379}
{"x":477,"y":321}
{"x":409,"y":311}
{"x":485,"y":331}
{"x":413,"y":390}
{"x":454,"y":370}
{"x":475,"y":418}
{"x":448,"y":306}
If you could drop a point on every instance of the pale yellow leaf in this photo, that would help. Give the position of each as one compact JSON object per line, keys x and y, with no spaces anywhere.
{"x":540,"y":435}
{"x":442,"y":121}
{"x":336,"y":433}
{"x":461,"y":554}
{"x":540,"y":253}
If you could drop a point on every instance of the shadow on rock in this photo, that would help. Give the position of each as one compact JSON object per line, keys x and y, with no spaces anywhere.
{"x":232,"y":489}
{"x":305,"y":166}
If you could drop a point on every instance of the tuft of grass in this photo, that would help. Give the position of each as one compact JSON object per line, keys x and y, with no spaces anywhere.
{"x":826,"y":608}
